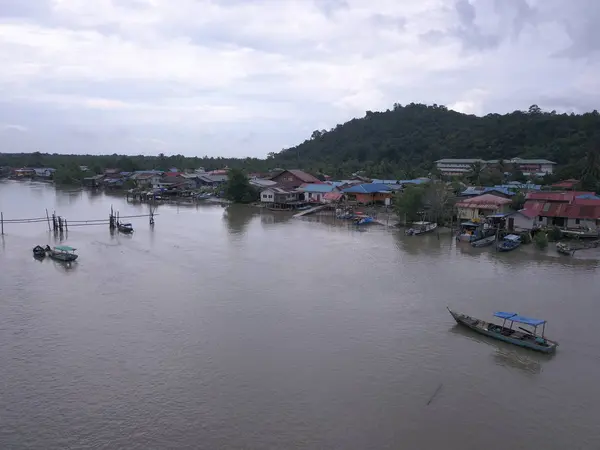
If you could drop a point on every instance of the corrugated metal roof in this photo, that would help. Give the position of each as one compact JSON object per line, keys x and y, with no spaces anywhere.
{"x":368,"y":188}
{"x":554,"y":209}
{"x":317,"y":188}
{"x":483,"y":201}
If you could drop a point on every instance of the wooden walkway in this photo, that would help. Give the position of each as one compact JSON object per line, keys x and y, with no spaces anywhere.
{"x":309,"y":211}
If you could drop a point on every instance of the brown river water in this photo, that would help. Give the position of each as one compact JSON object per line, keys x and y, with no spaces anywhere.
{"x":228,"y":328}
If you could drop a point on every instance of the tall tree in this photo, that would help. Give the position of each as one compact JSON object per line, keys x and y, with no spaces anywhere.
{"x":590,"y":176}
{"x":238,"y":188}
{"x":474,"y":175}
{"x":410,"y":203}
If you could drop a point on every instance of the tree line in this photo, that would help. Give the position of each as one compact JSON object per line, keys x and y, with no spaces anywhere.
{"x":402,"y":142}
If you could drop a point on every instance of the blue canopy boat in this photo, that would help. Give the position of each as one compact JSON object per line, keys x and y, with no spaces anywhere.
{"x":510,"y":242}
{"x":523,"y":338}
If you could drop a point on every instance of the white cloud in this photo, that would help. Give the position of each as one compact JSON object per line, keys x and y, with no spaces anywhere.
{"x":210,"y":71}
{"x":13,"y":127}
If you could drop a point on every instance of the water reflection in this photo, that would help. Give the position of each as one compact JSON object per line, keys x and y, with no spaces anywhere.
{"x":507,"y":355}
{"x":416,"y":245}
{"x":270,"y":217}
{"x":237,"y":218}
{"x":63,"y":266}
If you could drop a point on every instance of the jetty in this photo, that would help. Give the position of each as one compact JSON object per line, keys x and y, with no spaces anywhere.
{"x":309,"y":211}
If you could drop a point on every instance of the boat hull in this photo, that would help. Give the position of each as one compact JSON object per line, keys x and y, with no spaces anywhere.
{"x":64,"y":257}
{"x":474,"y":324}
{"x":484,"y":242}
{"x":502,"y":247}
{"x":419,"y":231}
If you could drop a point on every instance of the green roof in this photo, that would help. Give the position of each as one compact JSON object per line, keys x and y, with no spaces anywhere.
{"x":65,"y":248}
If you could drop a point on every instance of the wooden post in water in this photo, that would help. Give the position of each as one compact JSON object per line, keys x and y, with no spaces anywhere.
{"x":48,"y":217}
{"x":1,"y":224}
{"x":54,"y":222}
{"x":66,"y":228}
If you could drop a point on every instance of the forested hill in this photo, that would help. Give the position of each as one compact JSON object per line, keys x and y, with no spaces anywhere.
{"x":409,"y":138}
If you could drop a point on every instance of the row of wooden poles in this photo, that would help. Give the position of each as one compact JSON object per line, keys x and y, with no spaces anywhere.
{"x":59,"y":223}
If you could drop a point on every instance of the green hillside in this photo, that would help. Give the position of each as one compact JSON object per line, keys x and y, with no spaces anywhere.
{"x":407,"y":140}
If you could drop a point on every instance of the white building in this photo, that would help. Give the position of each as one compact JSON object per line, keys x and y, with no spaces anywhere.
{"x":457,"y":166}
{"x":529,"y":167}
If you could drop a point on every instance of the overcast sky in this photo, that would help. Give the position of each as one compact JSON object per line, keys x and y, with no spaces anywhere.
{"x":248,"y":77}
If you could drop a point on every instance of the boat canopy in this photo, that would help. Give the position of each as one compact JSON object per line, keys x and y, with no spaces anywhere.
{"x":514,"y":317}
{"x":512,"y":237}
{"x":470,"y":224}
{"x":527,"y":320}
{"x":65,"y":248}
{"x":505,"y":315}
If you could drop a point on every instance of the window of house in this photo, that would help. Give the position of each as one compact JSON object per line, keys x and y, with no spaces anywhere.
{"x":540,"y":218}
{"x":577,"y":221}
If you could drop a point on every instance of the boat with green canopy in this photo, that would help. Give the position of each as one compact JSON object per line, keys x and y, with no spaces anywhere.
{"x":63,"y":253}
{"x":521,"y":336}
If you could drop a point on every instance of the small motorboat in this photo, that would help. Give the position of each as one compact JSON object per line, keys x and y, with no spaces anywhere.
{"x":362,"y":220}
{"x":419,"y":228}
{"x":521,"y":337}
{"x":63,"y":253}
{"x":510,"y":242}
{"x":39,"y":251}
{"x":125,"y":228}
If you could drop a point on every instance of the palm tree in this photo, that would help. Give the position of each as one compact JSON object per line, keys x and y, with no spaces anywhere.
{"x":590,"y":174}
{"x":474,"y":175}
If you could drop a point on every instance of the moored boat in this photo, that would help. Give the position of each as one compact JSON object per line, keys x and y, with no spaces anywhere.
{"x":63,"y":253}
{"x":362,"y":219}
{"x":510,"y":242}
{"x":125,"y":228}
{"x":421,"y":227}
{"x":39,"y":251}
{"x":522,"y":337}
{"x":484,"y":242}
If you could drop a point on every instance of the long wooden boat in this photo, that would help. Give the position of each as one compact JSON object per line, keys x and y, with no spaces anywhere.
{"x":419,"y":228}
{"x":522,"y":338}
{"x":126,"y":228}
{"x":63,"y":253}
{"x":484,"y":242}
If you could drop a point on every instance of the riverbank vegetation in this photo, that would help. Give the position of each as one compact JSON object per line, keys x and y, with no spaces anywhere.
{"x":238,"y":189}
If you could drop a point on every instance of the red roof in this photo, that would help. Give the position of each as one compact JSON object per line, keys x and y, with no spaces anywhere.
{"x":172,"y":174}
{"x":556,"y":196}
{"x":571,"y":211}
{"x":488,"y":201}
{"x":566,"y":183}
{"x":301,"y":175}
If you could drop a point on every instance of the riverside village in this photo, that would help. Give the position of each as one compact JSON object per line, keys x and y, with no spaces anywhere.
{"x":502,"y":216}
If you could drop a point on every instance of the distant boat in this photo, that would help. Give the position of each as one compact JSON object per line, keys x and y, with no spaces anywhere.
{"x":63,"y":253}
{"x":523,"y":338}
{"x":203,"y":196}
{"x":510,"y":242}
{"x":126,"y":228}
{"x":418,"y":228}
{"x":484,"y":242}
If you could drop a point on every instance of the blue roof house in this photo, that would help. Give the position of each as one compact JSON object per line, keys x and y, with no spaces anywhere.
{"x":369,"y":193}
